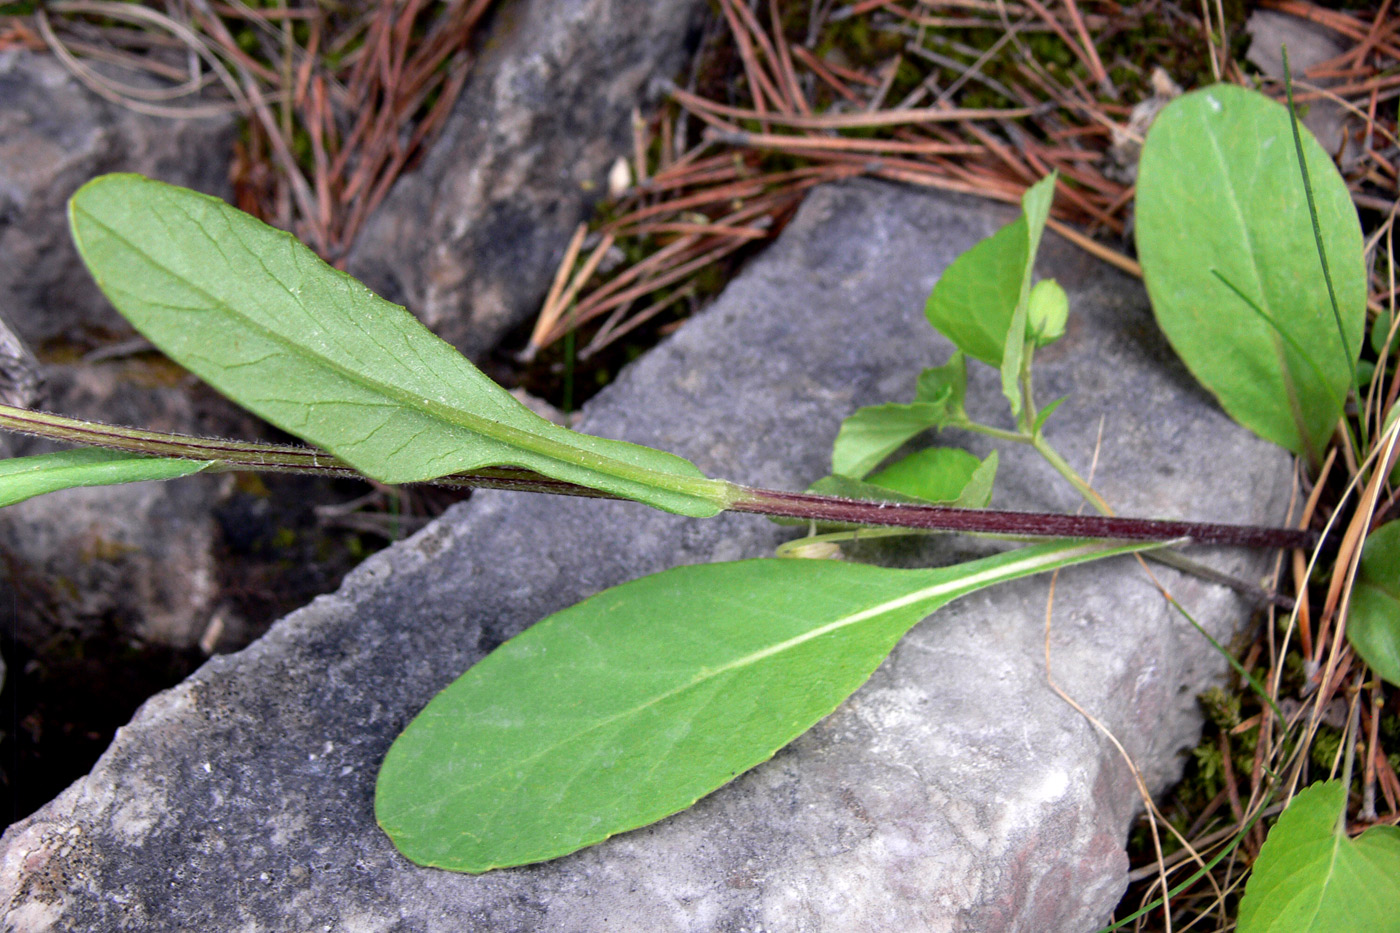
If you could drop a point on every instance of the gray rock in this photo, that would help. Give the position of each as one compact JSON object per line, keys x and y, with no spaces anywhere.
{"x":138,"y":559}
{"x":54,"y":136}
{"x":953,"y":792}
{"x":469,"y":242}
{"x":21,"y":381}
{"x":143,"y":555}
{"x":21,"y":377}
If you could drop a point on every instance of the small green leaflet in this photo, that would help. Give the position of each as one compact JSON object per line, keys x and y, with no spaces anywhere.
{"x":873,"y":433}
{"x":261,"y":318}
{"x":947,"y":475}
{"x":1231,"y":266}
{"x":1373,"y":625}
{"x":25,"y":477}
{"x":1311,"y":878}
{"x":631,"y":705}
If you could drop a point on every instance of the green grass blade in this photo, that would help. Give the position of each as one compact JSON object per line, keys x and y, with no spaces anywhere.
{"x":265,"y":321}
{"x":633,"y":704}
{"x":1195,"y":876}
{"x":25,"y":477}
{"x":1234,"y":663}
{"x":1312,"y":215}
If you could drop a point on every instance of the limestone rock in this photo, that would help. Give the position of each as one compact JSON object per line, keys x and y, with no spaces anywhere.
{"x":54,"y":136}
{"x":469,"y":241}
{"x":954,"y":792}
{"x":142,"y":553}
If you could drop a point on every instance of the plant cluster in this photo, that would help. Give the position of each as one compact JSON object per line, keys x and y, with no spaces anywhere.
{"x":573,"y":731}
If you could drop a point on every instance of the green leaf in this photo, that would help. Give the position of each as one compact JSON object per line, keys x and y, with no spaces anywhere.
{"x":873,"y":433}
{"x":1221,"y":206}
{"x":876,"y":431}
{"x":1380,"y":330}
{"x":939,"y":475}
{"x":1373,"y":625}
{"x":1044,"y":414}
{"x":25,"y":477}
{"x":1311,"y":878}
{"x":972,"y":302}
{"x":1035,"y":204}
{"x":262,"y":319}
{"x":946,"y":385}
{"x":977,"y":494}
{"x":975,"y":299}
{"x":633,"y":704}
{"x":847,"y":488}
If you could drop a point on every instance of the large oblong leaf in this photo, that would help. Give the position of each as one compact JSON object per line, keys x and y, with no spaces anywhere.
{"x":261,"y":318}
{"x":633,"y":704}
{"x":1231,"y":265}
{"x":25,"y":477}
{"x":1311,"y":878}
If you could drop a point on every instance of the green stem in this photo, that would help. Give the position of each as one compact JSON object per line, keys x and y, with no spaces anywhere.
{"x":1011,"y":437}
{"x":1061,"y":465}
{"x":1028,"y":409}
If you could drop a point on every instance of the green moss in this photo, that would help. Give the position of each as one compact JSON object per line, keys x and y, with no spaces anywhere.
{"x":1325,"y":746}
{"x":1221,"y":708}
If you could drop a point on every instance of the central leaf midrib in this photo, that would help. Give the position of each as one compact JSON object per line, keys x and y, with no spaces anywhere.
{"x":970,"y":583}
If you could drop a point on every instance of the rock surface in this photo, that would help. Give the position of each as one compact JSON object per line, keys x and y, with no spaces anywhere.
{"x":55,"y":135}
{"x":105,"y":593}
{"x":954,"y":792}
{"x":470,"y":241}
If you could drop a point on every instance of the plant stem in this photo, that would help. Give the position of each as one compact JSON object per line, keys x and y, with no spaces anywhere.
{"x":1169,"y":558}
{"x":1061,"y":465}
{"x":1028,"y":409}
{"x":996,"y":521}
{"x":1011,"y":437}
{"x":239,"y":455}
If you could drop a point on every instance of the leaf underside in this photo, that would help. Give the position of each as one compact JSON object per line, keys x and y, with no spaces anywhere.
{"x":260,"y":317}
{"x":25,"y":477}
